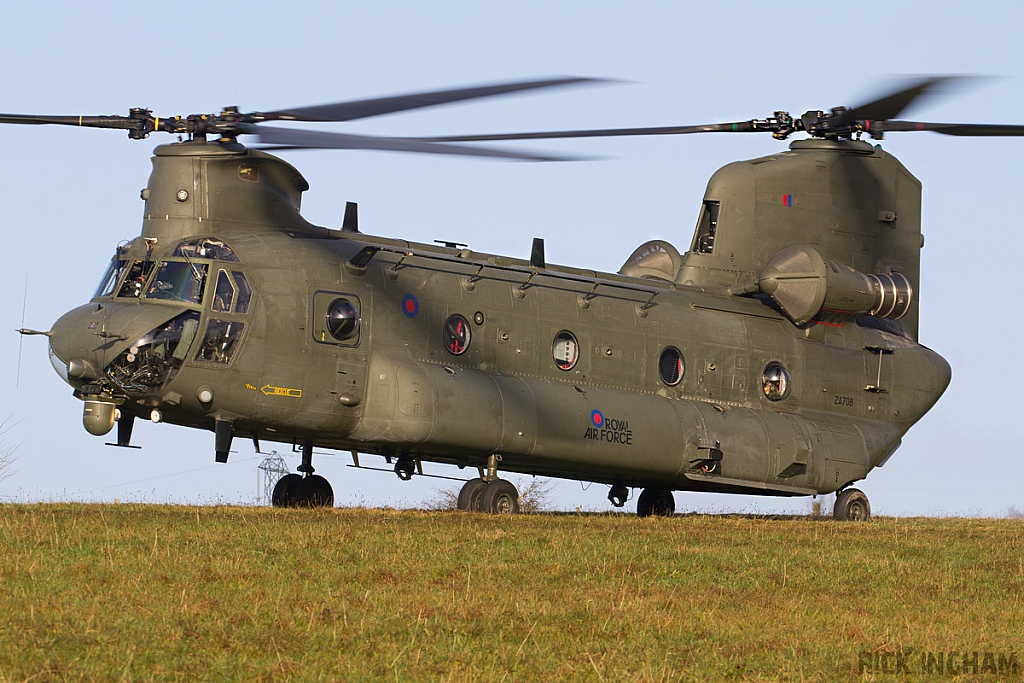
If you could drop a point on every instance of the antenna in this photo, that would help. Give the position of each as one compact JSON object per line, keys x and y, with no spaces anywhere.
{"x":21,"y":338}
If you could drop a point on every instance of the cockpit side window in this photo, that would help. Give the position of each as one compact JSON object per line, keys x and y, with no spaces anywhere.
{"x":223,"y":294}
{"x":244,"y":292}
{"x":179,"y":281}
{"x":707,"y":227}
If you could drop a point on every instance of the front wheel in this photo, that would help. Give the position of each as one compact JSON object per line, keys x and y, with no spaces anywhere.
{"x":314,"y":491}
{"x":852,"y":505}
{"x":284,"y":491}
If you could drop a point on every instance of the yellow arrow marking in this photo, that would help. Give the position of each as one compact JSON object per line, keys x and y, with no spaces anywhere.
{"x":281,"y":391}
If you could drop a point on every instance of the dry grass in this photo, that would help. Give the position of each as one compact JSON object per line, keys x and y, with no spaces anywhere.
{"x":137,"y":592}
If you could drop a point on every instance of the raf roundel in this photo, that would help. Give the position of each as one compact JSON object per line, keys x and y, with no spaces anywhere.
{"x":410,"y":306}
{"x":597,"y":418}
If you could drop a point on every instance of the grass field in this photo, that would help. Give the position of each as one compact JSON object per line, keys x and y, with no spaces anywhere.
{"x":140,"y":592}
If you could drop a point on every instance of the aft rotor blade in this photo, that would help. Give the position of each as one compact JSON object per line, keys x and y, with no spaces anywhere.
{"x":890,"y":106}
{"x":311,"y":139}
{"x":737,"y":127}
{"x":959,"y":129}
{"x":361,"y":109}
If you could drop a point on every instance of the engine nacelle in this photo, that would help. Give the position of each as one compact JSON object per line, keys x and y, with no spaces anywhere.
{"x":803,"y":284}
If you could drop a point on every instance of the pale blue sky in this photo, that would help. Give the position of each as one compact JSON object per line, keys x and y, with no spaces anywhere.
{"x":71,"y":195}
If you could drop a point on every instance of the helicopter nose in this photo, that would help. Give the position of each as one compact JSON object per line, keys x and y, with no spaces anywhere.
{"x":86,"y":339}
{"x":74,"y":346}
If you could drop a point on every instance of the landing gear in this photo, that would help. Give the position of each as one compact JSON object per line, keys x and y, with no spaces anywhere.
{"x":852,"y":505}
{"x":500,"y":497}
{"x":311,"y":490}
{"x":469,"y":496}
{"x":314,"y":491}
{"x":655,"y":502}
{"x":487,"y":493}
{"x":284,"y":491}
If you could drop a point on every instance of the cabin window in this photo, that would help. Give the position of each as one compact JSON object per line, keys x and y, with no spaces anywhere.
{"x":671,"y":366}
{"x":775,"y":381}
{"x":220,"y":342}
{"x":707,"y":228}
{"x":456,"y":334}
{"x":565,"y":350}
{"x":342,"y":320}
{"x":178,"y":281}
{"x":223,"y":294}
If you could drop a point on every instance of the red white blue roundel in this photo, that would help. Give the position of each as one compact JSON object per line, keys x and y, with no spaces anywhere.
{"x":597,"y":418}
{"x":410,"y":306}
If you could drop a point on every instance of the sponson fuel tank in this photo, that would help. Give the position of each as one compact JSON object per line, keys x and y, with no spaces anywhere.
{"x":553,"y":427}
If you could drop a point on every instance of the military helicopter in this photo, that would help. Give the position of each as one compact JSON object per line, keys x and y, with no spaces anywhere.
{"x":778,"y":355}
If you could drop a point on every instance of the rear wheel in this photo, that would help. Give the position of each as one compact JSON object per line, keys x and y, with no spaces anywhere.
{"x":656,"y":502}
{"x":852,"y":505}
{"x":284,"y":491}
{"x":500,"y":498}
{"x":469,"y":496}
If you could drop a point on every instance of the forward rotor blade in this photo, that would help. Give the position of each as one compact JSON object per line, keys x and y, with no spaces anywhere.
{"x":890,"y":106}
{"x":737,"y":127}
{"x":122,"y":122}
{"x":361,"y":109}
{"x":311,"y":139}
{"x":959,"y":129}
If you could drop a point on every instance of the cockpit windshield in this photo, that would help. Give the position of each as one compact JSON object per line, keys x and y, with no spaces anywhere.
{"x":135,"y":281}
{"x":179,"y":281}
{"x":110,"y":277}
{"x":115,"y":269}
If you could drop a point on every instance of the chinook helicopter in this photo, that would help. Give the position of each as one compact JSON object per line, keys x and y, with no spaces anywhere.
{"x":778,"y":355}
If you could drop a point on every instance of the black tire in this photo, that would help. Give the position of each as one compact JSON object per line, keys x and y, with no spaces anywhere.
{"x":315,"y":492}
{"x":284,"y":491}
{"x":469,"y":496}
{"x":500,"y":497}
{"x":655,"y":502}
{"x":852,"y":506}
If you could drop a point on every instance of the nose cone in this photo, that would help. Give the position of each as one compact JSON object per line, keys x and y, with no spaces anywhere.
{"x":59,"y":366}
{"x":85,"y":339}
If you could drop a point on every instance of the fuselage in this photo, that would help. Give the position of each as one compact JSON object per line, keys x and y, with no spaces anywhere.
{"x":231,"y":310}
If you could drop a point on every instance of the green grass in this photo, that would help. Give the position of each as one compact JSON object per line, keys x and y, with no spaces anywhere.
{"x":138,"y":592}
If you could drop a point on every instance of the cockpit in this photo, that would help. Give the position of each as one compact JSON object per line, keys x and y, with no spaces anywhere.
{"x":180,"y":278}
{"x":200,"y":274}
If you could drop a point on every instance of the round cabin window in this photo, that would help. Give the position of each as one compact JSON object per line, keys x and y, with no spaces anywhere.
{"x":671,"y":366}
{"x":565,"y":350}
{"x":775,"y":382}
{"x":342,"y":319}
{"x":456,"y":334}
